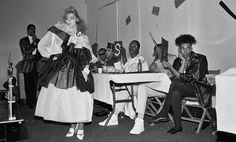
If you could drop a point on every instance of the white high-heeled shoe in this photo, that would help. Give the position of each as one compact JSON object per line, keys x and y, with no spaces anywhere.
{"x":80,"y":134}
{"x":71,"y":132}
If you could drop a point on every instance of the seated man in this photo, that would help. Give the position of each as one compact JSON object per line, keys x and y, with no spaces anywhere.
{"x":111,"y":59}
{"x":101,"y":60}
{"x":130,"y":66}
{"x":151,"y":89}
{"x":194,"y":67}
{"x":104,"y":109}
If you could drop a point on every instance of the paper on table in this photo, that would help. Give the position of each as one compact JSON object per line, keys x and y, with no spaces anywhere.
{"x":118,"y":66}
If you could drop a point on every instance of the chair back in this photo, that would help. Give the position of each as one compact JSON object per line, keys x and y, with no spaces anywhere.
{"x":214,"y":71}
{"x":190,"y":102}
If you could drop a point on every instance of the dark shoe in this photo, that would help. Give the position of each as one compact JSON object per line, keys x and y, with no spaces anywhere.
{"x":104,"y":112}
{"x":174,"y":130}
{"x":157,"y":120}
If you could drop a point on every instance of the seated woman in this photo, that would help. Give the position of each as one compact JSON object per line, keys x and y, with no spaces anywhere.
{"x":194,"y":67}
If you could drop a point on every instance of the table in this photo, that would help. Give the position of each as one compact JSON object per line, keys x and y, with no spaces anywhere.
{"x":4,"y":117}
{"x":102,"y":83}
{"x":226,"y":101}
{"x":106,"y":86}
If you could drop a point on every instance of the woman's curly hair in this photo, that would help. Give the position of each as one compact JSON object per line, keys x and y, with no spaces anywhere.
{"x":81,"y":26}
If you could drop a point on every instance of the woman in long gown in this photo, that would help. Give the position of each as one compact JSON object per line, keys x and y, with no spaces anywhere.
{"x":66,"y":82}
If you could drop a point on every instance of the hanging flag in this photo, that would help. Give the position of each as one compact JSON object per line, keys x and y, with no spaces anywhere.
{"x":178,"y":3}
{"x":128,"y":20}
{"x":155,"y":10}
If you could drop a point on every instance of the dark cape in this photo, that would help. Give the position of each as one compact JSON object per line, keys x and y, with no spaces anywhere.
{"x":64,"y":70}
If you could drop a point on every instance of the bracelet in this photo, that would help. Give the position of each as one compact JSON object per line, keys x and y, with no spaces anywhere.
{"x":86,"y":70}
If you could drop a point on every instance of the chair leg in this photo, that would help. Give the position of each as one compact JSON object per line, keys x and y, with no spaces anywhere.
{"x":188,"y":112}
{"x":161,"y":104}
{"x":152,"y":108}
{"x":171,"y":118}
{"x":202,"y":120}
{"x":208,"y":115}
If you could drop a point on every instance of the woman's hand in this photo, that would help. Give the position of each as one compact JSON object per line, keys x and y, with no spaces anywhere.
{"x":54,"y":58}
{"x":85,"y":72}
{"x":73,"y":39}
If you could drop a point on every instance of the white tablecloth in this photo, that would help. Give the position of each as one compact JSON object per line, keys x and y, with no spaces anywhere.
{"x":102,"y":86}
{"x":226,"y":101}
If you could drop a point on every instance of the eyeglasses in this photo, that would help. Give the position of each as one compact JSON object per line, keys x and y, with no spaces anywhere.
{"x":100,"y":54}
{"x":133,"y":46}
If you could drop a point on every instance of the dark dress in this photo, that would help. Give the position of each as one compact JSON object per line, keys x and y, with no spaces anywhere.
{"x":65,"y":95}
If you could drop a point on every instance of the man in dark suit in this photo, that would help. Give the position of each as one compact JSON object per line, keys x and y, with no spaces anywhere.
{"x":28,"y":46}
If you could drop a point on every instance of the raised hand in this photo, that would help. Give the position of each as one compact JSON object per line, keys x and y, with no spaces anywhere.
{"x":166,"y":64}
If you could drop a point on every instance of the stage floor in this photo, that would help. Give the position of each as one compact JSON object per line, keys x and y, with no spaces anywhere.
{"x":6,"y":125}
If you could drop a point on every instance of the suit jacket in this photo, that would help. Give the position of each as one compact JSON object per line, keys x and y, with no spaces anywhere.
{"x":29,"y":60}
{"x":27,"y":48}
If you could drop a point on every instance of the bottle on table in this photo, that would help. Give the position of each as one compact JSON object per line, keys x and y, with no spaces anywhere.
{"x":139,"y":66}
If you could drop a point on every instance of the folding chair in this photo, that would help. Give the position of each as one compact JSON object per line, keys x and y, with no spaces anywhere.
{"x":155,"y":105}
{"x":194,"y":103}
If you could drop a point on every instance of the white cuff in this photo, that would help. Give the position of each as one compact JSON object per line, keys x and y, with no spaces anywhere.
{"x":86,"y":70}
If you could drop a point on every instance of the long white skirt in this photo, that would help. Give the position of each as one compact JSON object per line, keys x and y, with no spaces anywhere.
{"x":64,"y":105}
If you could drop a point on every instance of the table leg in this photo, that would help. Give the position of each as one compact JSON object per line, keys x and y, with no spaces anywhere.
{"x":114,"y":107}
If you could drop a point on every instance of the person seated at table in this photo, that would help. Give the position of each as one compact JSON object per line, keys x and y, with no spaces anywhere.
{"x":101,"y":60}
{"x":111,"y":59}
{"x":195,"y":67}
{"x":156,"y":65}
{"x":130,"y":66}
{"x":152,"y":89}
{"x":104,"y":109}
{"x":106,"y":58}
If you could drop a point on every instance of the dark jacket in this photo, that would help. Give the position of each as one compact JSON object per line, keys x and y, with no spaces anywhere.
{"x":195,"y":74}
{"x":66,"y":70}
{"x":27,"y":49}
{"x":29,"y":61}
